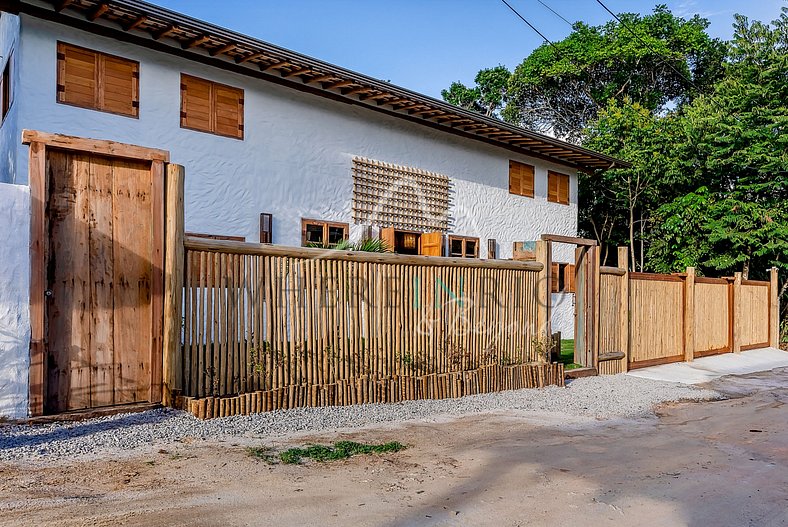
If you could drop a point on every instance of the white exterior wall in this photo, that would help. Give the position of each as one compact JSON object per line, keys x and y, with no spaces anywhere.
{"x":9,"y":132}
{"x":296,"y":157}
{"x":14,"y":303}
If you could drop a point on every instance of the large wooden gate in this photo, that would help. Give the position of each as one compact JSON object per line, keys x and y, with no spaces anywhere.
{"x":97,"y":279}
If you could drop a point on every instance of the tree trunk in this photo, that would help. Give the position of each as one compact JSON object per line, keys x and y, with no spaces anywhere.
{"x":745,"y":270}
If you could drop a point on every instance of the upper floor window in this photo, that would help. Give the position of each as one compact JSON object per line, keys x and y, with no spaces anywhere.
{"x":557,"y":188}
{"x":208,"y":106}
{"x":521,"y":179}
{"x":6,"y":89}
{"x":316,"y":233}
{"x":95,"y":80}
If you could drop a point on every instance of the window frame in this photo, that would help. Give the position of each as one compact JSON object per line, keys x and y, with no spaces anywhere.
{"x":464,"y":240}
{"x":512,"y":164}
{"x":558,"y":176}
{"x":60,"y":81}
{"x":212,"y":108}
{"x":6,"y":88}
{"x":325,"y":225}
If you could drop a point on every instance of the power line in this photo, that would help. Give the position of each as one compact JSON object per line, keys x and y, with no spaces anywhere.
{"x":556,"y":13}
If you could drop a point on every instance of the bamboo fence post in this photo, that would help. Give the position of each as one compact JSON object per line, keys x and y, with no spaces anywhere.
{"x":689,"y":315}
{"x":542,"y":251}
{"x":623,"y":263}
{"x":774,"y":309}
{"x":173,"y":285}
{"x":736,"y":312}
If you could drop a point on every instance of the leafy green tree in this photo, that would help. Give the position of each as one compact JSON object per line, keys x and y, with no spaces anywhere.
{"x":487,"y":97}
{"x":737,"y":153}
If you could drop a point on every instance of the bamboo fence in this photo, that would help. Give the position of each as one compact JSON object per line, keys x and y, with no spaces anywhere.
{"x":307,"y":327}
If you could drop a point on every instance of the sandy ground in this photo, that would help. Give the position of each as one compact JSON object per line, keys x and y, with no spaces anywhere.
{"x":715,"y":463}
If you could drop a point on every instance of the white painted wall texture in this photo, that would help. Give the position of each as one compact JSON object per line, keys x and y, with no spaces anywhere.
{"x":14,"y":295}
{"x":9,"y":132}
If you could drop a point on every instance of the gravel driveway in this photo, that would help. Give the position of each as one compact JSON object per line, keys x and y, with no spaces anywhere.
{"x":618,"y":396}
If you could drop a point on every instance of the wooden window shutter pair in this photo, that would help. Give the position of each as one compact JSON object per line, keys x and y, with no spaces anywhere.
{"x":97,"y":81}
{"x":432,"y":244}
{"x":557,"y":188}
{"x":207,"y":106}
{"x":521,"y":179}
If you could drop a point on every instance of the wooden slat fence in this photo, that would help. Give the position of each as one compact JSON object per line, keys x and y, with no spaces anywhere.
{"x":656,"y":318}
{"x":304,"y":322}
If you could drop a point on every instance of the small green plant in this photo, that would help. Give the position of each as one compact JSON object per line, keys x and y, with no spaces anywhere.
{"x":368,"y":245}
{"x":340,"y":450}
{"x":262,"y":453}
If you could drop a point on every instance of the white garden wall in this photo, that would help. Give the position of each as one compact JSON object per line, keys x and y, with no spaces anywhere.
{"x":9,"y":132}
{"x":14,"y":295}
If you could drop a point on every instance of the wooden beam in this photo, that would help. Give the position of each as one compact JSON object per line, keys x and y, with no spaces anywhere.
{"x":157,"y":281}
{"x":543,"y":257}
{"x":95,"y":146}
{"x":222,"y":49}
{"x":163,"y":32}
{"x":428,"y":110}
{"x":298,"y":71}
{"x":137,"y":22}
{"x":774,"y":309}
{"x":62,"y":5}
{"x":246,"y":58}
{"x":173,"y":285}
{"x":623,"y":306}
{"x":100,"y":10}
{"x":264,"y":249}
{"x":339,"y":84}
{"x":195,"y":42}
{"x":274,"y":66}
{"x":378,"y":96}
{"x":38,"y":277}
{"x":322,"y":78}
{"x":362,"y":89}
{"x":689,"y":315}
{"x":585,"y":242}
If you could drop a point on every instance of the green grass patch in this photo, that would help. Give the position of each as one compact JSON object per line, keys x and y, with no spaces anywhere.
{"x":340,"y":450}
{"x":567,"y":357}
{"x":262,"y":453}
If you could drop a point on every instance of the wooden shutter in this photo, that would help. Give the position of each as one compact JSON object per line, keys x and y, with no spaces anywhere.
{"x":77,"y":72}
{"x":229,"y":111}
{"x":196,"y":104}
{"x":515,"y":179}
{"x":432,"y":244}
{"x":558,"y":188}
{"x":492,"y":249}
{"x":521,"y":179}
{"x":554,"y":270}
{"x":387,"y":236}
{"x":569,"y":278}
{"x":119,"y":89}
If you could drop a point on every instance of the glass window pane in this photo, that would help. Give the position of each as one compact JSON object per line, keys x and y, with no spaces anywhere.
{"x":335,"y":235}
{"x":314,"y":233}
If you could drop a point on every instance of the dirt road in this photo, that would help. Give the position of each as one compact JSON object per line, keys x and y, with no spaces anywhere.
{"x":716,"y":463}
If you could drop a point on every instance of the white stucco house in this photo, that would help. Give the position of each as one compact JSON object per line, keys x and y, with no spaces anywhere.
{"x":278,"y":147}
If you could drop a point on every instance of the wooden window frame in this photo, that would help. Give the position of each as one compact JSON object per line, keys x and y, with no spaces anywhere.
{"x":6,"y":88}
{"x":520,"y":165}
{"x":558,"y":176}
{"x":266,"y":227}
{"x":465,"y":240}
{"x":135,"y":102}
{"x":325,"y":224}
{"x":212,"y":109}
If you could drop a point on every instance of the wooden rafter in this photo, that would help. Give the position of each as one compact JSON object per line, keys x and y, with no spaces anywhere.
{"x":275,"y":66}
{"x":164,"y":32}
{"x":222,"y":49}
{"x":428,"y":110}
{"x":100,"y":10}
{"x":195,"y":41}
{"x":137,"y":22}
{"x":339,"y":84}
{"x":322,"y":78}
{"x":361,"y":89}
{"x":381,"y":95}
{"x":64,"y":4}
{"x":298,"y":71}
{"x":246,"y":58}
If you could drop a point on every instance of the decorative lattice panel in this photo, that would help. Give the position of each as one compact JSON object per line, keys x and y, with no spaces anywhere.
{"x":397,"y":196}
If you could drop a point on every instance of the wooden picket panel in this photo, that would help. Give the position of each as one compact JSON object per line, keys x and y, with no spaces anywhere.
{"x":268,"y":318}
{"x":656,"y":318}
{"x":712,"y":316}
{"x":752,"y":314}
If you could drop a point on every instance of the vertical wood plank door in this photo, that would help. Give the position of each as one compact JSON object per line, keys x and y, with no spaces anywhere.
{"x":102,"y":264}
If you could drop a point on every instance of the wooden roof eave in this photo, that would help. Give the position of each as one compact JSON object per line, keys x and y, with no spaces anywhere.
{"x":202,"y":35}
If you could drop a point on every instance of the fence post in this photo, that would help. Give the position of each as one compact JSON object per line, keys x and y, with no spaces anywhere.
{"x":689,"y":315}
{"x":173,"y":283}
{"x":623,"y":263}
{"x":543,"y":256}
{"x":735,"y":318}
{"x":774,"y":309}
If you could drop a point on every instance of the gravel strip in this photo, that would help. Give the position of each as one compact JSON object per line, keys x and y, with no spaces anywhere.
{"x":618,"y":396}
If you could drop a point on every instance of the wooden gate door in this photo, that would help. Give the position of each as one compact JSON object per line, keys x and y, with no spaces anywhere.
{"x":586,"y":305}
{"x":102,"y":256}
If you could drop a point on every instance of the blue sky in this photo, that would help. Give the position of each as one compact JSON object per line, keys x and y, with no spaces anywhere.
{"x":425,"y":45}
